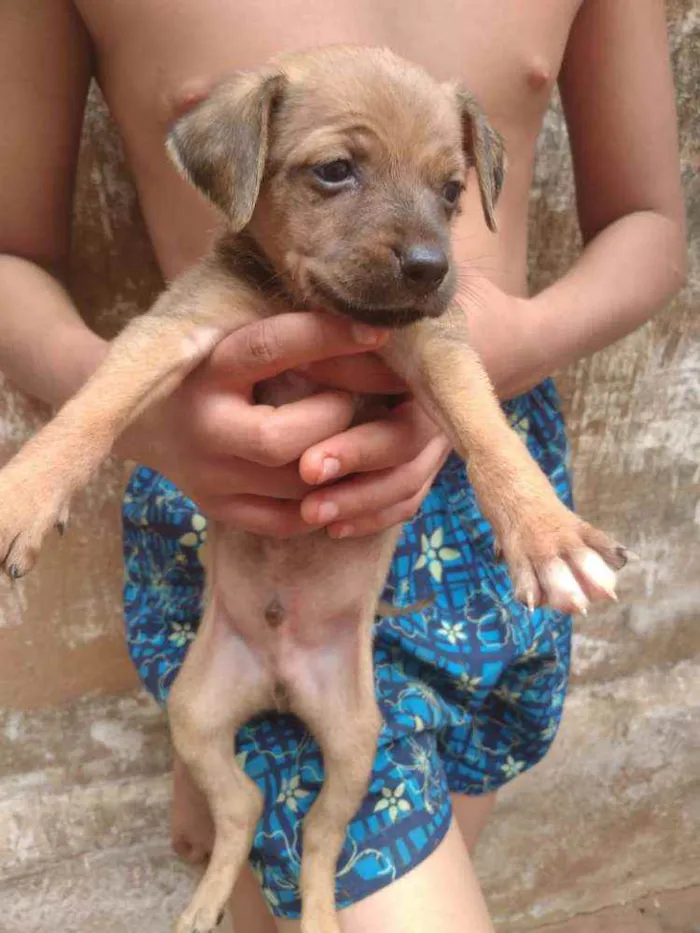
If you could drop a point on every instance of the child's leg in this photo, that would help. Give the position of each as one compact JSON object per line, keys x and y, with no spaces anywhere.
{"x":472,"y":814}
{"x":191,"y":825}
{"x":441,"y":893}
{"x":250,"y":913}
{"x":248,"y":910}
{"x":399,"y":907}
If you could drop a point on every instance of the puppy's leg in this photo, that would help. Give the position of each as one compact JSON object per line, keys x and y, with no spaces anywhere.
{"x":548,"y":549}
{"x":222,"y":684}
{"x":146,"y":362}
{"x":332,"y":691}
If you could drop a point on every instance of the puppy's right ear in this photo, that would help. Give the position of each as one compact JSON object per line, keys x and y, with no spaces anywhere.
{"x":221,"y":145}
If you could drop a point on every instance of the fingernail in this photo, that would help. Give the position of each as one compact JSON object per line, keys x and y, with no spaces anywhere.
{"x":342,"y":531}
{"x":327,"y":512}
{"x":366,"y":335}
{"x":329,"y":468}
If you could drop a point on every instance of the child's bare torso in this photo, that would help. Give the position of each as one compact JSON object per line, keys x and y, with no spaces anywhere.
{"x":153,"y":55}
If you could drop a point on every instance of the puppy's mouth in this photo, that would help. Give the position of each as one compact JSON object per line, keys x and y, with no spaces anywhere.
{"x":366,"y":314}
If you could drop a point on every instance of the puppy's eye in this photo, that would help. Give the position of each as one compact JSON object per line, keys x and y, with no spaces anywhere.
{"x":333,"y":173}
{"x":452,"y":191}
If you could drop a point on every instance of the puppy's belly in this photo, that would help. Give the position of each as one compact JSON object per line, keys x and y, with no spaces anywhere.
{"x":302,"y":609}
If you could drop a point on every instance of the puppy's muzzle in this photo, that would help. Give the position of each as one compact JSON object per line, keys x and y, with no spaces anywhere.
{"x":423,"y":267}
{"x":409,"y":282}
{"x":375,"y":314}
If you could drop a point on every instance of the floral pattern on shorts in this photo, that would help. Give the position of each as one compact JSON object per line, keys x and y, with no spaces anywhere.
{"x":471,"y":687}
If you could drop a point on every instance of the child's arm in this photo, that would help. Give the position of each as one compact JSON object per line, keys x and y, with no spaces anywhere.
{"x":618,"y":96}
{"x":45,"y":67}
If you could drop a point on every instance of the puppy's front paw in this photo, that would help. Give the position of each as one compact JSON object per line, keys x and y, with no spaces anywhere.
{"x":32,"y":503}
{"x":557,"y":559}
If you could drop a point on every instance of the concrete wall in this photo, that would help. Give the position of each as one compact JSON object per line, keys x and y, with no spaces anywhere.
{"x":613,"y":812}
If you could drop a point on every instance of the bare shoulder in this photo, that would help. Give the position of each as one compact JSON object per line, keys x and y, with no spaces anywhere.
{"x":45,"y":67}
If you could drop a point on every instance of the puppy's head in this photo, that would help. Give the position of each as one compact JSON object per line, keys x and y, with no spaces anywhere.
{"x":346,"y":166}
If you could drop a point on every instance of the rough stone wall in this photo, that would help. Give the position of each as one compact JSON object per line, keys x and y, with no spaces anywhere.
{"x":615,"y":809}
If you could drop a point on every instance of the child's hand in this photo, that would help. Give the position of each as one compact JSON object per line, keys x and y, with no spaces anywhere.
{"x":240,"y":461}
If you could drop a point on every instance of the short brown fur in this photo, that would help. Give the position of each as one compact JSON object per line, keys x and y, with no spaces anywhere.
{"x":295,"y":620}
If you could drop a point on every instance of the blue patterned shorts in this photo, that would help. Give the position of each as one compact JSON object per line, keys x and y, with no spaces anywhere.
{"x":471,"y":688}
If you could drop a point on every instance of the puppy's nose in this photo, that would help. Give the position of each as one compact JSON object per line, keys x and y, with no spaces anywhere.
{"x":423,"y":265}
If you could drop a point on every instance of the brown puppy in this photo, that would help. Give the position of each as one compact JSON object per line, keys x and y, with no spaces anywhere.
{"x":338,"y":172}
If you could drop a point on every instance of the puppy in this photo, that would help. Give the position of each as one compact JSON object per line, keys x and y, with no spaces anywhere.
{"x":338,"y":173}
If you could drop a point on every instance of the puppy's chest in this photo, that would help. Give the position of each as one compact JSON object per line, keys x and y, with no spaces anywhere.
{"x":293,"y":386}
{"x":284,"y":389}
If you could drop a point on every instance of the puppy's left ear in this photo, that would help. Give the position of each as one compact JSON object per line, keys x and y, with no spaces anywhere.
{"x":485,"y":151}
{"x":220,"y":145}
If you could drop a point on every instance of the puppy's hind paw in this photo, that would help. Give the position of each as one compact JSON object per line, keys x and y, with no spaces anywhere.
{"x":204,"y":920}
